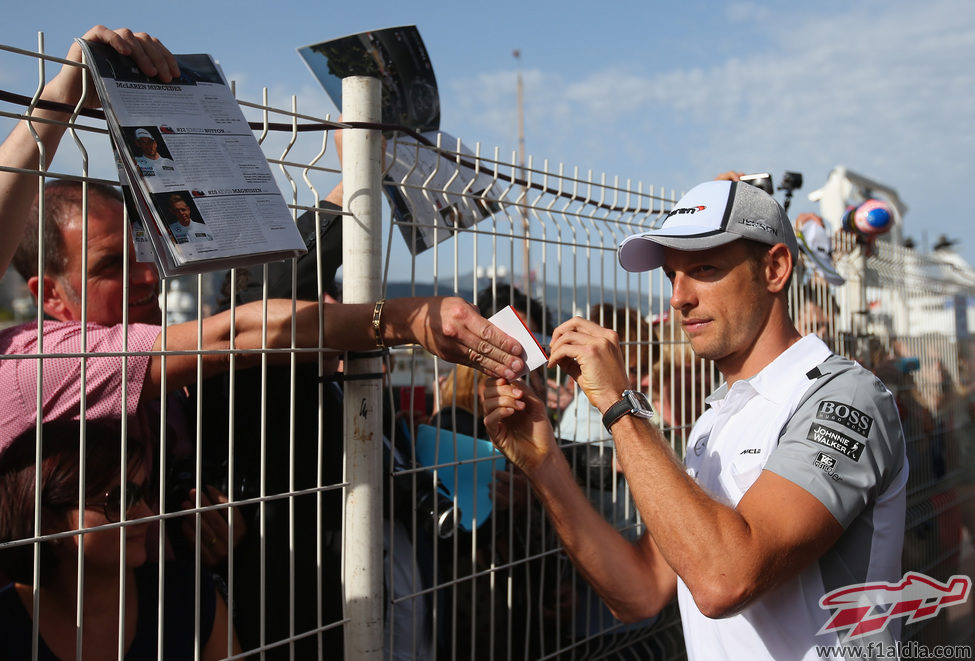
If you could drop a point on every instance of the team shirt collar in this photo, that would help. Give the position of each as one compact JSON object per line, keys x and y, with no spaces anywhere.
{"x":780,"y":377}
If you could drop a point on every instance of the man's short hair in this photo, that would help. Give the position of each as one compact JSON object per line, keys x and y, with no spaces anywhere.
{"x":756,"y":256}
{"x":61,"y":199}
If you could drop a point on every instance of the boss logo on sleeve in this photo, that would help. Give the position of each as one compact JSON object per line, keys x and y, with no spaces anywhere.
{"x":852,"y":418}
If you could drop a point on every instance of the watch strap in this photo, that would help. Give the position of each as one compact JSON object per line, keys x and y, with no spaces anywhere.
{"x":615,"y":412}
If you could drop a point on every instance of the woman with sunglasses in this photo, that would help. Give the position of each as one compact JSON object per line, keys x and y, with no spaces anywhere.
{"x":103,"y":560}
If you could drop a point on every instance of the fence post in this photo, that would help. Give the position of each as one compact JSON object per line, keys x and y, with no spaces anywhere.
{"x":361,"y":266}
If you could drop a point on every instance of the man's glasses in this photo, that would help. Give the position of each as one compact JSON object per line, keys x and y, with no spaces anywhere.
{"x":112,"y":504}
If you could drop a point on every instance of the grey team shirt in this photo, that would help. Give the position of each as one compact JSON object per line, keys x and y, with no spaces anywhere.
{"x":832,"y":428}
{"x":847,"y":428}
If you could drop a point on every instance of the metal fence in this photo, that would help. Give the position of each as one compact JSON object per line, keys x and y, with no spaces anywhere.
{"x":470,"y":567}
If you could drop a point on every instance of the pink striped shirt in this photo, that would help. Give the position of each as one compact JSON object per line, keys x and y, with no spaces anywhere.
{"x":61,"y":382}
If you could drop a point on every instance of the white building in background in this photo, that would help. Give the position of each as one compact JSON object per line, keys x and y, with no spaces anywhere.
{"x":918,"y":309}
{"x":844,"y":187}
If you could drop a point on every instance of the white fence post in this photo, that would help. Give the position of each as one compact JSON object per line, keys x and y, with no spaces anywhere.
{"x":361,"y":265}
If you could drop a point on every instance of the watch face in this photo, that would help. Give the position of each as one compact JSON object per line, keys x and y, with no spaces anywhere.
{"x":640,"y":403}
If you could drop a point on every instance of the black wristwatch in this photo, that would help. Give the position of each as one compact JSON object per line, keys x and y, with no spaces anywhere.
{"x":633,"y":403}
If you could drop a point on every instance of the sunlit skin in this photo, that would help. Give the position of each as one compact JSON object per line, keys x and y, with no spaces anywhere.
{"x":719,"y":302}
{"x":62,"y":293}
{"x":181,"y":211}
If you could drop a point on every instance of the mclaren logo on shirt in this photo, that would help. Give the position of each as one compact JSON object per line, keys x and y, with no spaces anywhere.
{"x":852,"y":418}
{"x":835,"y":440}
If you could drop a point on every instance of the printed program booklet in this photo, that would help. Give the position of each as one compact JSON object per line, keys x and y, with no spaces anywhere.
{"x":432,"y":193}
{"x":201,"y":195}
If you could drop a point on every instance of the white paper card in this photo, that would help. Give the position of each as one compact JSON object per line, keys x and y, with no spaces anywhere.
{"x":508,"y":320}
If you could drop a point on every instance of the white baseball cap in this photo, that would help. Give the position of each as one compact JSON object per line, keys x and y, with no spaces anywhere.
{"x":142,"y":133}
{"x":711,"y":214}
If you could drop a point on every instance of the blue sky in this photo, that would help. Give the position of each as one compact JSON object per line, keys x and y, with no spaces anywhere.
{"x":665,"y":93}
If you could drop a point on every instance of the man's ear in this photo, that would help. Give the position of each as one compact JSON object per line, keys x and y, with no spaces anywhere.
{"x":52,"y":297}
{"x":778,"y":267}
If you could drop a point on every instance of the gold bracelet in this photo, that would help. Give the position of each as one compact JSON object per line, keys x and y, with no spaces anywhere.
{"x":377,"y":313}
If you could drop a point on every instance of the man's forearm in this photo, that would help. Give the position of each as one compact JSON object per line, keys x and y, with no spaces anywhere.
{"x":18,"y":189}
{"x":631,"y":578}
{"x":449,"y":327}
{"x":279,"y":325}
{"x":247,"y":327}
{"x":678,"y":513}
{"x":709,"y":544}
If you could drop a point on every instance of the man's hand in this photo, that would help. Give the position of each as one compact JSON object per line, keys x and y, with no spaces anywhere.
{"x":730,"y":175}
{"x":152,"y":58}
{"x":20,"y":149}
{"x":591,"y":355}
{"x":453,"y":329}
{"x":518,"y":425}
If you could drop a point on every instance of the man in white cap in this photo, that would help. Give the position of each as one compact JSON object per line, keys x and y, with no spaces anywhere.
{"x":793,"y":483}
{"x":152,"y":163}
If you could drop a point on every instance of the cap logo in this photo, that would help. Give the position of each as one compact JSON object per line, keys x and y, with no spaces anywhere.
{"x":674,"y":212}
{"x":757,"y":224}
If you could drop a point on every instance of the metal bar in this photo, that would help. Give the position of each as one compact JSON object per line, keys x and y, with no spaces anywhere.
{"x":362,"y":261}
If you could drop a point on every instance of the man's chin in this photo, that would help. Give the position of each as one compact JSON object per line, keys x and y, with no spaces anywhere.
{"x":704,"y":350}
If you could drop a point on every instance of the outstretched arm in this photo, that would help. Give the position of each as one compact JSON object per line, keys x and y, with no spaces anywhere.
{"x":448,"y":327}
{"x":20,"y":149}
{"x":632,"y":578}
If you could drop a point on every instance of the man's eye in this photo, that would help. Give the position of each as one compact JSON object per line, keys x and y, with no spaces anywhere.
{"x":107,"y":267}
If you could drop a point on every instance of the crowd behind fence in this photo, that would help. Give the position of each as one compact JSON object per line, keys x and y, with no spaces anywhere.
{"x":470,"y":566}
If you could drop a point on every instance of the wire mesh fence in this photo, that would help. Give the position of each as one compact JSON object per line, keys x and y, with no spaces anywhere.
{"x":239,"y":499}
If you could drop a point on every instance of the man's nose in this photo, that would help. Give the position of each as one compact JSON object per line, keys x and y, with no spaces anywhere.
{"x":681,"y":294}
{"x":142,"y":273}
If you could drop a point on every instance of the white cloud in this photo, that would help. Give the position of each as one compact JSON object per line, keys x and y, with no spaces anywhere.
{"x":886,"y":89}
